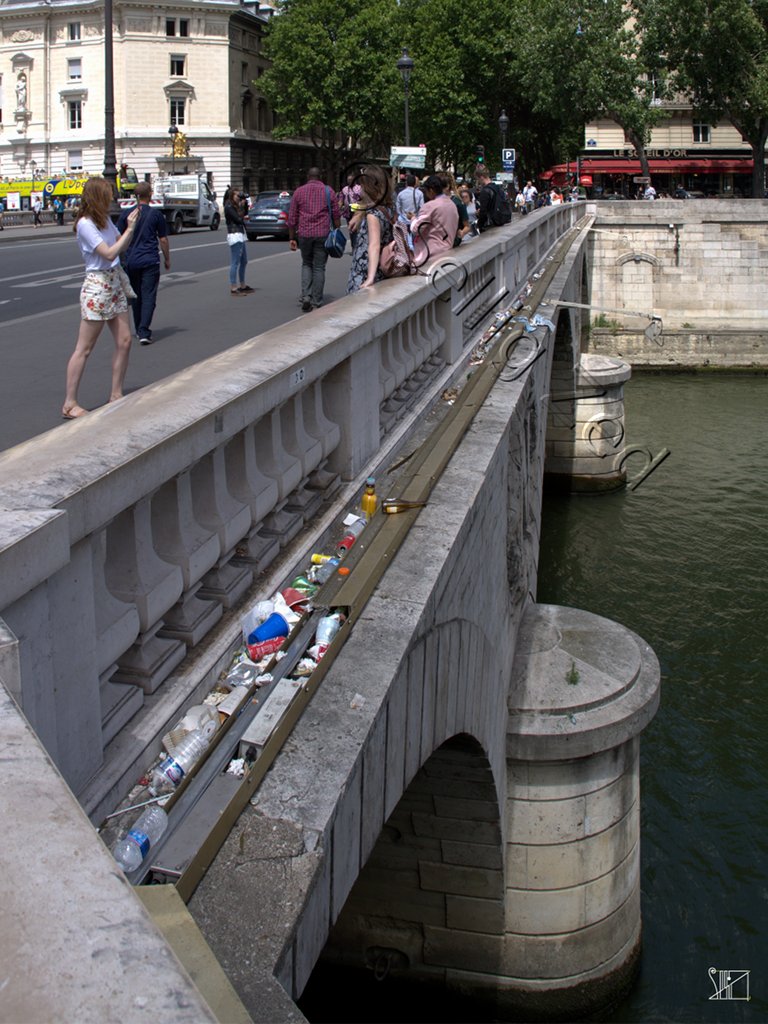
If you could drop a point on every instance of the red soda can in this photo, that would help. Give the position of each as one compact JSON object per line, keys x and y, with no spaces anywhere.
{"x":258,"y":651}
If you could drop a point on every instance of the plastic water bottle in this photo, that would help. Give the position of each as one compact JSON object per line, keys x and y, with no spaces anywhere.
{"x":147,"y":829}
{"x":326,"y":570}
{"x":167,"y":776}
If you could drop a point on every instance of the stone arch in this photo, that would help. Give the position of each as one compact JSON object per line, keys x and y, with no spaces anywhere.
{"x":637,"y":257}
{"x":435,"y":875}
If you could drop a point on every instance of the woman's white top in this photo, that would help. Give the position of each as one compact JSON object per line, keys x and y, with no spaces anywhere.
{"x":89,"y":237}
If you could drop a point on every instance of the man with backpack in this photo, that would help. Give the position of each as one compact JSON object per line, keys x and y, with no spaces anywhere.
{"x":493,"y":206}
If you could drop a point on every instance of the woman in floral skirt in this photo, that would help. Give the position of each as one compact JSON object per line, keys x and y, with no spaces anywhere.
{"x":373,"y":224}
{"x":102,"y":297}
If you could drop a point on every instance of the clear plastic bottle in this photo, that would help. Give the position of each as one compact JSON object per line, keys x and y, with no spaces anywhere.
{"x":326,"y":570}
{"x":147,"y":829}
{"x":167,"y":776}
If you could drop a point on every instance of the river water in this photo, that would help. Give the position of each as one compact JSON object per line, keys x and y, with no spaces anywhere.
{"x":681,"y":560}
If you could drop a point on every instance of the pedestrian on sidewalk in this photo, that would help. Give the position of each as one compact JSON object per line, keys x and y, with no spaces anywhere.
{"x":142,"y":259}
{"x":237,"y":240}
{"x":102,"y":298}
{"x":58,"y":207}
{"x":37,"y":209}
{"x":314,"y":211}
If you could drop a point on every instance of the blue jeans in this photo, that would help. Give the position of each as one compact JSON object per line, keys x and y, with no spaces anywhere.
{"x":238,"y":260}
{"x":144,"y":281}
{"x":313,"y":260}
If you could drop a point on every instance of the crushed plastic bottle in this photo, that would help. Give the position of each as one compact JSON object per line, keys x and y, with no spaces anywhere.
{"x":170,"y":772}
{"x":326,"y":570}
{"x":147,"y":829}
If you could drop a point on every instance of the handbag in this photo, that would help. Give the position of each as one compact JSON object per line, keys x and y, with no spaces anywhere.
{"x":125,"y":282}
{"x":336,"y":242}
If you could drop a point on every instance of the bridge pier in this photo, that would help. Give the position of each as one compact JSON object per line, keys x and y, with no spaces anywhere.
{"x":585,"y":430}
{"x":530,"y":903}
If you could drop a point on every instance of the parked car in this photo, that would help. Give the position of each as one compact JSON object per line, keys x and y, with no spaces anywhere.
{"x":613,"y":195}
{"x":269,"y":216}
{"x":684,"y":193}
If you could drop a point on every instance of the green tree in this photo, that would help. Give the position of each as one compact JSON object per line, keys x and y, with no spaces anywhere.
{"x":589,"y":63}
{"x":333,"y":77}
{"x":719,"y":53}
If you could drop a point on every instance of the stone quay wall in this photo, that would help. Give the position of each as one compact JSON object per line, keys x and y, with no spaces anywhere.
{"x":700,"y":265}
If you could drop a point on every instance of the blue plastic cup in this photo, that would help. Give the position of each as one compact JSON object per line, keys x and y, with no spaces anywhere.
{"x":275,"y":625}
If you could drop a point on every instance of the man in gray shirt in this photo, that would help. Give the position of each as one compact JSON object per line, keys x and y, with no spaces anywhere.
{"x":409,"y":201}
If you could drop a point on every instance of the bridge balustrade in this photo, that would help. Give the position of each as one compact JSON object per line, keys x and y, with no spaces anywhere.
{"x":127,"y":538}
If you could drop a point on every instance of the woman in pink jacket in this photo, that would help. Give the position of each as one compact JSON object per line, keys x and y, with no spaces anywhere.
{"x":435,"y":227}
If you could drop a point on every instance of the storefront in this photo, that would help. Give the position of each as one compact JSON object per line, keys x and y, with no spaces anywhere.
{"x":726,"y":173}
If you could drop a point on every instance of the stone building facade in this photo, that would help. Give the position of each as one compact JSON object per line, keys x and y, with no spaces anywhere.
{"x":192,"y":64}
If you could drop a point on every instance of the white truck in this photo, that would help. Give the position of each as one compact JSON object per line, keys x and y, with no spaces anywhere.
{"x":185,"y":200}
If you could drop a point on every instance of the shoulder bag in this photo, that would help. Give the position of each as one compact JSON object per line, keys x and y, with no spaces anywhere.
{"x":336,"y":242}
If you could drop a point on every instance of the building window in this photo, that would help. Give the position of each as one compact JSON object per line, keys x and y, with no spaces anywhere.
{"x":177,"y":26}
{"x":75,"y":69}
{"x":701,"y":133}
{"x":177,"y":111}
{"x":75,"y":114}
{"x":73,"y":31}
{"x":75,"y":160}
{"x":177,"y":65}
{"x":244,"y":74}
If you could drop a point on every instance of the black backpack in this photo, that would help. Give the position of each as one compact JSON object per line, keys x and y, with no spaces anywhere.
{"x":500,"y":210}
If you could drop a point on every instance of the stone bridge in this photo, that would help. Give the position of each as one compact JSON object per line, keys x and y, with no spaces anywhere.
{"x":460,"y":799}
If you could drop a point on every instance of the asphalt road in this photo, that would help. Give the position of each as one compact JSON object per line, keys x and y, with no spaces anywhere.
{"x":40,"y":277}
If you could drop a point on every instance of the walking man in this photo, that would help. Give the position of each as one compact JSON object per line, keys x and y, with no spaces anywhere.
{"x":37,"y":209}
{"x":529,"y":194}
{"x":142,"y":259}
{"x":309,"y":223}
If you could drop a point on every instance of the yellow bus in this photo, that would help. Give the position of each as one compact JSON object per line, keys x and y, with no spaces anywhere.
{"x":65,"y":186}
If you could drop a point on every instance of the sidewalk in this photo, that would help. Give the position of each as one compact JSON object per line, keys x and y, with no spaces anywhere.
{"x":24,"y":232}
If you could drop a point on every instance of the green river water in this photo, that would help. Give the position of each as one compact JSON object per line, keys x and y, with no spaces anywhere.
{"x":682,"y":561}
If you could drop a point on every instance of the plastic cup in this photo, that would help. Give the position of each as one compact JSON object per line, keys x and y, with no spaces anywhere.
{"x":272,"y":627}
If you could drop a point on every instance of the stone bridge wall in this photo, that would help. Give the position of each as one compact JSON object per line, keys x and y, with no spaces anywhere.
{"x":698,"y":264}
{"x":128,"y":540}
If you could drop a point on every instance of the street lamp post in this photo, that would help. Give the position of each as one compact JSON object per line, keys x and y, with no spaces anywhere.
{"x":503,"y":126}
{"x":405,"y":67}
{"x":33,"y":165}
{"x":110,"y":167}
{"x":173,"y":131}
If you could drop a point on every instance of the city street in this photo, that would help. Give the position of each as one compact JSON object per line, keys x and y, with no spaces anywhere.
{"x":40,"y":277}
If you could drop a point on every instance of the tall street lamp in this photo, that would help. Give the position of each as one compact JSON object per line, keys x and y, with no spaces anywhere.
{"x":110,"y":167}
{"x":503,"y":126}
{"x":405,"y":67}
{"x":173,"y":131}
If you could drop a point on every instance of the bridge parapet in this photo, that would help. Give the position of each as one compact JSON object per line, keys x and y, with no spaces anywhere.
{"x":127,"y":538}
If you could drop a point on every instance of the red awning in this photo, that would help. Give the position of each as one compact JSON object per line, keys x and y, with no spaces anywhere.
{"x":689,"y":165}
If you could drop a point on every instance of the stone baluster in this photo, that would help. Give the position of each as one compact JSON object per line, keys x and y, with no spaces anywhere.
{"x":285,"y":470}
{"x":328,"y":434}
{"x":117,"y":626}
{"x":260,"y":492}
{"x":216,"y":508}
{"x":179,"y":538}
{"x":309,"y":452}
{"x":136,"y":575}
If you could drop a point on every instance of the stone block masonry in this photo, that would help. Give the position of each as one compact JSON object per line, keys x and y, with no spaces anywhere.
{"x":699,"y":265}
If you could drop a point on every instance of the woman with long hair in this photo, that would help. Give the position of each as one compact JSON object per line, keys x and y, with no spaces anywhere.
{"x":102,"y":297}
{"x":372,"y":225}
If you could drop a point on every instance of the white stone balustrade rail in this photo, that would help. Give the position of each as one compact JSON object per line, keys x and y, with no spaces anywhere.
{"x":124,"y":536}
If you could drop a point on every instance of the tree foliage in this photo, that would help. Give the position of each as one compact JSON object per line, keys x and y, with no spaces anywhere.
{"x":551,"y":67}
{"x":331,"y":77}
{"x":718,"y":56}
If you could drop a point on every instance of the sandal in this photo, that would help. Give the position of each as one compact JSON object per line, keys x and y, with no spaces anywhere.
{"x":73,"y":413}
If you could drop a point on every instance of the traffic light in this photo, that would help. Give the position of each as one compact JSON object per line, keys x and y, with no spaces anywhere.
{"x":480,"y":154}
